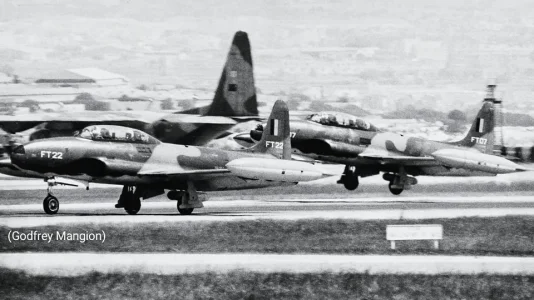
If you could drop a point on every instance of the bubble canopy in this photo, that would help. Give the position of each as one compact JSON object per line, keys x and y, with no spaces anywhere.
{"x":113,"y":133}
{"x":341,"y":120}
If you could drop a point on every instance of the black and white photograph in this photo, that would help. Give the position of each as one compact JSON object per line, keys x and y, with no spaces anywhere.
{"x":297,"y":149}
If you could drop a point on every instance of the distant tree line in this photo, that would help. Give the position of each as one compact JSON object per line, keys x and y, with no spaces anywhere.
{"x":91,"y":103}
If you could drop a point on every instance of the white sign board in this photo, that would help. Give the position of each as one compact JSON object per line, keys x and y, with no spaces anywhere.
{"x":414,"y":232}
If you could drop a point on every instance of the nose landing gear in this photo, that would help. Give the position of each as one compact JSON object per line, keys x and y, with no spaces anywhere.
{"x":50,"y":202}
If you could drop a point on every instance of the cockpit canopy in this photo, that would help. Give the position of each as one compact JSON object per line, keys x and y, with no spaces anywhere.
{"x":114,"y":133}
{"x":339,"y":119}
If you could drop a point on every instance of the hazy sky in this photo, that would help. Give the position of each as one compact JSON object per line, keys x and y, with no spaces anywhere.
{"x":37,"y":35}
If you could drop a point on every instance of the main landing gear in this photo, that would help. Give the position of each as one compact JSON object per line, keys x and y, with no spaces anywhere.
{"x":399,"y":182}
{"x":349,"y":179}
{"x":130,"y":200}
{"x":188,"y":200}
{"x":351,"y":175}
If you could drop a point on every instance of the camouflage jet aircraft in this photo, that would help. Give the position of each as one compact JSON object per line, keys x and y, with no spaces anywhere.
{"x":345,"y":139}
{"x":234,"y":101}
{"x":146,"y":166}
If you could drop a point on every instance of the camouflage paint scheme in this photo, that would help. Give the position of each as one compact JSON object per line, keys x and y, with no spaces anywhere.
{"x":234,"y":101}
{"x":157,"y":164}
{"x":125,"y":156}
{"x":367,"y":151}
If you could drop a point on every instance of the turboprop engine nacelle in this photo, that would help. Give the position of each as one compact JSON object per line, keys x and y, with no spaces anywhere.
{"x":275,"y":169}
{"x":470,"y":160}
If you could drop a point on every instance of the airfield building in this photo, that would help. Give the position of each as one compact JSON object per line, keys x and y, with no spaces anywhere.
{"x":84,"y":77}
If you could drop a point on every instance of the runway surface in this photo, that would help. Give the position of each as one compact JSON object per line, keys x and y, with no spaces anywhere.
{"x":73,"y":264}
{"x":21,"y":206}
{"x":394,"y":208}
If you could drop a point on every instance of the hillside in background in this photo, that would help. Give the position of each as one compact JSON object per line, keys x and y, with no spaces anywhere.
{"x":397,"y":53}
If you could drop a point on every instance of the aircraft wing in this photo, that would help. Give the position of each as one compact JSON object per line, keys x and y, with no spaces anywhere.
{"x":77,"y":120}
{"x":85,"y":116}
{"x":196,"y":119}
{"x":387,"y":158}
{"x":178,"y":173}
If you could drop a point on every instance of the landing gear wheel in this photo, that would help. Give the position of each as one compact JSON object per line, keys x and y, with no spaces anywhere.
{"x":133,"y":206}
{"x":351,"y":182}
{"x":51,"y":205}
{"x":349,"y":178}
{"x":183,"y":211}
{"x":394,"y":190}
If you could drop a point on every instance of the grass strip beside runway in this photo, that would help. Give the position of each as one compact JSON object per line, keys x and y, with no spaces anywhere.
{"x":244,"y":285}
{"x":510,"y":236}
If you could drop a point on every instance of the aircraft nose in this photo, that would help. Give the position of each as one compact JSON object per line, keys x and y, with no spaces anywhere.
{"x":5,"y":162}
{"x":19,"y":150}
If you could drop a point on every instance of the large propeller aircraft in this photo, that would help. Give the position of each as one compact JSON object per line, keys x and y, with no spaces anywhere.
{"x":146,"y":167}
{"x":234,"y":101}
{"x":366,"y":151}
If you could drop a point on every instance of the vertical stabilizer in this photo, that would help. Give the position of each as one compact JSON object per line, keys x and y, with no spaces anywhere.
{"x":276,"y":138}
{"x":481,"y":135}
{"x":236,"y":94}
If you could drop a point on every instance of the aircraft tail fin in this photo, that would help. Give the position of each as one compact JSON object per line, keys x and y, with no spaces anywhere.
{"x":276,"y":138}
{"x":481,"y":135}
{"x":236,"y":93}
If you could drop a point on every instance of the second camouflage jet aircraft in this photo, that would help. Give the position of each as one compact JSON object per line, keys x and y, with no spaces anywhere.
{"x":366,"y":151}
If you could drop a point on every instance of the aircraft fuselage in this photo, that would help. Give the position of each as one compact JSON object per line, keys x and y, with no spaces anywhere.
{"x":346,"y":146}
{"x":127,"y":163}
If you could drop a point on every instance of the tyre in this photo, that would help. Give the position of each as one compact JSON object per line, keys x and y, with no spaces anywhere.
{"x":351,"y":182}
{"x":133,"y":206}
{"x":183,"y":211}
{"x":132,"y":211}
{"x":51,"y":205}
{"x":395,"y":191}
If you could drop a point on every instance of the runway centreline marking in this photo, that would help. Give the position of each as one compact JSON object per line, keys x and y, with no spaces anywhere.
{"x":74,"y":264}
{"x":287,"y":215}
